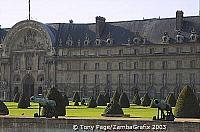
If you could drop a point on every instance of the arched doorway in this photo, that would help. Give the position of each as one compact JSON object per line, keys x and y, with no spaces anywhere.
{"x":28,"y":86}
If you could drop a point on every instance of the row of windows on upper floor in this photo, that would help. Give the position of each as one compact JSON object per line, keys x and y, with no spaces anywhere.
{"x":149,"y":51}
{"x":134,"y":65}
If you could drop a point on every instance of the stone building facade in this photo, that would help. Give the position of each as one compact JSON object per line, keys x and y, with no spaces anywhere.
{"x":158,"y":56}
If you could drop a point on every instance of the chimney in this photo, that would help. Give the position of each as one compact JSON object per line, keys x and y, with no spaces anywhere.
{"x":179,"y":20}
{"x":100,"y":25}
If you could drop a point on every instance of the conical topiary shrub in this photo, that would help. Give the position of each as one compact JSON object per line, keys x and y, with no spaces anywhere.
{"x":113,"y":108}
{"x":187,"y":105}
{"x":101,"y":100}
{"x":124,"y":101}
{"x":107,"y":97}
{"x":116,"y":96}
{"x":76,"y":97}
{"x":55,"y":95}
{"x":136,"y":99}
{"x":153,"y":105}
{"x":171,"y":100}
{"x":3,"y":109}
{"x":66,"y":100}
{"x":92,"y":103}
{"x":83,"y":102}
{"x":24,"y":102}
{"x":146,"y":101}
{"x":76,"y":103}
{"x":16,"y":97}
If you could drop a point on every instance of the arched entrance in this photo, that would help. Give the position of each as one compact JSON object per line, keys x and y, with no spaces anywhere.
{"x":28,"y":86}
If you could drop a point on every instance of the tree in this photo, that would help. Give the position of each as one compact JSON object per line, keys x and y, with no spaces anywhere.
{"x":124,"y":101}
{"x":66,"y":100}
{"x":187,"y":105}
{"x":146,"y":100}
{"x":76,"y":97}
{"x":83,"y":102}
{"x":113,"y":108}
{"x":24,"y":102}
{"x":55,"y":95}
{"x":107,"y":97}
{"x":92,"y":103}
{"x":76,"y":103}
{"x":3,"y":109}
{"x":171,"y":100}
{"x":153,"y":105}
{"x":136,"y":99}
{"x":116,"y":96}
{"x":16,"y":97}
{"x":101,"y":100}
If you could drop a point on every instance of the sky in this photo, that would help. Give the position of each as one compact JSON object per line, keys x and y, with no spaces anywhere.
{"x":85,"y":11}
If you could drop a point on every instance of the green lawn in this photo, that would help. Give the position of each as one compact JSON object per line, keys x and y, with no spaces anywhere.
{"x":83,"y":111}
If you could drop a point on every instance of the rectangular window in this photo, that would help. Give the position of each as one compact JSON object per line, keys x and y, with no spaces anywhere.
{"x":135,"y":51}
{"x":108,"y":79}
{"x":151,"y":79}
{"x":120,"y":52}
{"x":109,"y":66}
{"x":164,"y":79}
{"x":164,"y":65}
{"x":17,"y":62}
{"x":28,"y":62}
{"x":121,"y":79}
{"x":165,"y":50}
{"x":68,"y":66}
{"x":179,"y":64}
{"x":85,"y":66}
{"x":193,"y":49}
{"x":178,"y":78}
{"x":135,"y":65}
{"x":192,"y":64}
{"x":97,"y":81}
{"x":178,"y":50}
{"x":85,"y":53}
{"x":135,"y":79}
{"x":120,"y":66}
{"x":151,"y":65}
{"x":96,"y":66}
{"x":40,"y":63}
{"x":109,"y":53}
{"x":151,"y":51}
{"x":84,"y":79}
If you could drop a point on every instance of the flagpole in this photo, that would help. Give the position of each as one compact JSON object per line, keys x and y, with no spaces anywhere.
{"x":29,"y":10}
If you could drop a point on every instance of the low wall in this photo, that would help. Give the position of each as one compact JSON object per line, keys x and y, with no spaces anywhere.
{"x":11,"y":124}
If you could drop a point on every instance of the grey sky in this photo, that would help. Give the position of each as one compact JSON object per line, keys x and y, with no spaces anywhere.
{"x":84,"y":11}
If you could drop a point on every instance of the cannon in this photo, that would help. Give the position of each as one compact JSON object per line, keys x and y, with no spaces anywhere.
{"x":163,"y":106}
{"x":49,"y":106}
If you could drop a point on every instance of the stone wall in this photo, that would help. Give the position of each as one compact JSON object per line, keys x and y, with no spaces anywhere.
{"x":11,"y":124}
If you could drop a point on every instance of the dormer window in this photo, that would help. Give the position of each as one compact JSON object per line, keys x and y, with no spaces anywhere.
{"x":136,"y":40}
{"x":98,"y":42}
{"x":165,"y":38}
{"x":109,"y":39}
{"x":69,"y":41}
{"x":87,"y":40}
{"x":193,"y":36}
{"x":179,"y":38}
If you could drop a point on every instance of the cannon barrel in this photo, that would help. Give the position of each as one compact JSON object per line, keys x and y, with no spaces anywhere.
{"x":162,"y":105}
{"x":43,"y":101}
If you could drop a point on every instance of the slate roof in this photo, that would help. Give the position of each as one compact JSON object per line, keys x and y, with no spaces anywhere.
{"x":151,"y":30}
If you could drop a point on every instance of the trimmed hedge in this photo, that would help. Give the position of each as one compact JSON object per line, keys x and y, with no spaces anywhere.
{"x":66,"y":100}
{"x":124,"y":101}
{"x":76,"y":103}
{"x":136,"y":99}
{"x":54,"y":94}
{"x":116,"y":96}
{"x":113,"y":108}
{"x":76,"y":97}
{"x":101,"y":100}
{"x":83,"y":102}
{"x":107,"y":97}
{"x":16,"y":97}
{"x":187,"y":105}
{"x":92,"y":103}
{"x":24,"y":102}
{"x":146,"y":101}
{"x":153,"y":105}
{"x":170,"y":99}
{"x":3,"y":109}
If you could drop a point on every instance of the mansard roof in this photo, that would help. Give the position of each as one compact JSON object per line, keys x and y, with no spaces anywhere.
{"x":151,"y":30}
